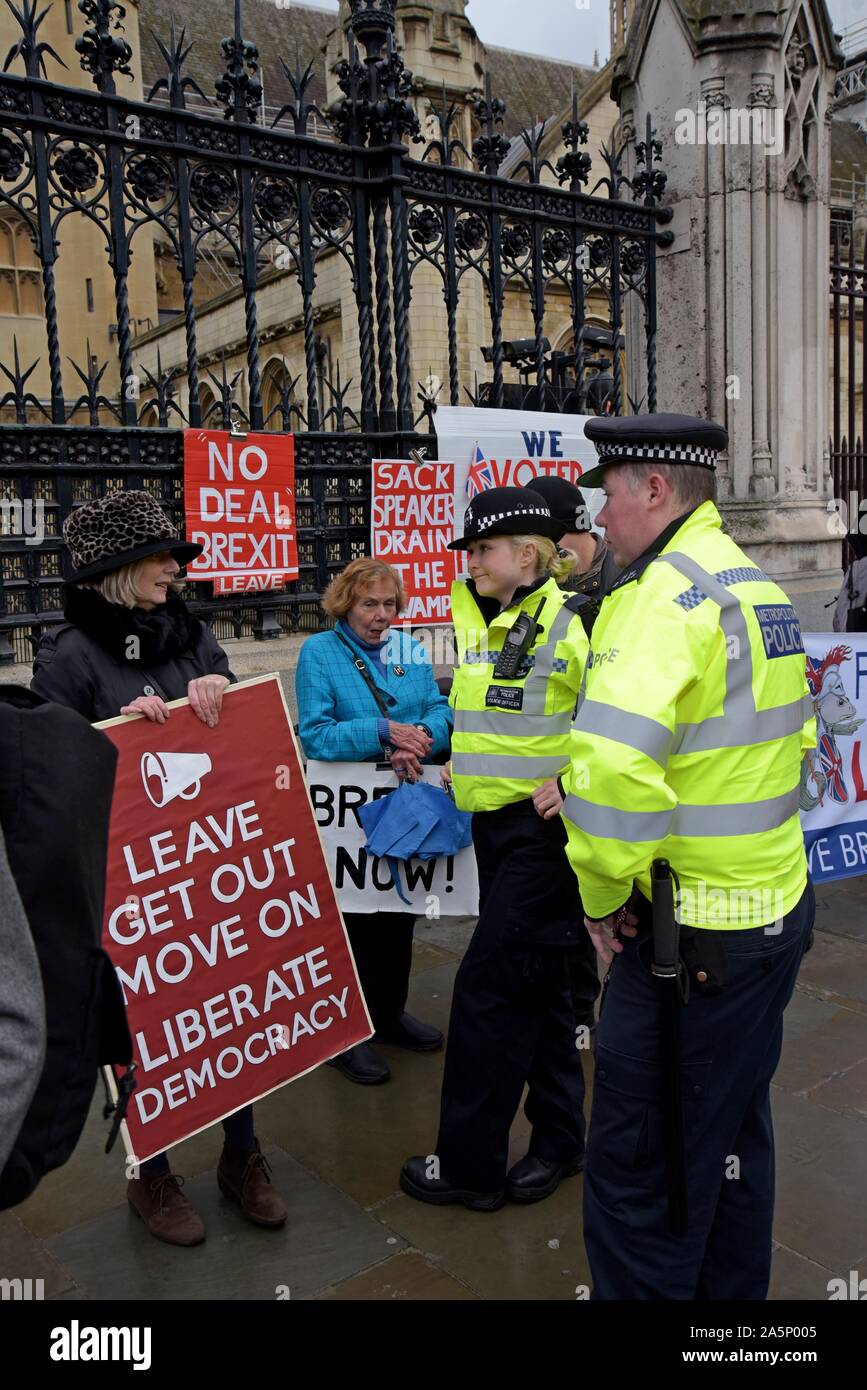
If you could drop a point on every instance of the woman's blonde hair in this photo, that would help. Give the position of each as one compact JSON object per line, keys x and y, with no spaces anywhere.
{"x":346,"y":587}
{"x":121,"y":586}
{"x":550,"y":559}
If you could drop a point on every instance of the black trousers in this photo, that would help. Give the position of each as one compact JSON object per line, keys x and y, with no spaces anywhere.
{"x":730,"y":1047}
{"x":382,"y":945}
{"x":527,"y":980}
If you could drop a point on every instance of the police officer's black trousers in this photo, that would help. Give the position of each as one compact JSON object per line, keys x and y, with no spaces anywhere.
{"x":527,"y":981}
{"x":730,"y":1047}
{"x":382,"y":946}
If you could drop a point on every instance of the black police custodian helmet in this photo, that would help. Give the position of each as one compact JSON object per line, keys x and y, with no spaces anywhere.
{"x":566,"y":502}
{"x":508,"y":511}
{"x":660,"y":438}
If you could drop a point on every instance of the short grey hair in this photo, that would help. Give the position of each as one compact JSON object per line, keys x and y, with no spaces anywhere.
{"x":690,"y":482}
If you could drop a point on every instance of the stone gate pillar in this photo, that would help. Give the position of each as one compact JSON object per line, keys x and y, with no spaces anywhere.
{"x":740,"y":96}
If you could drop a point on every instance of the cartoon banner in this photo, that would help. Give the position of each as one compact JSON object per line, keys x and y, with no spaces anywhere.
{"x":834,"y":777}
{"x":239,"y":503}
{"x":220,"y":916}
{"x":412,"y":522}
{"x":447,"y":887}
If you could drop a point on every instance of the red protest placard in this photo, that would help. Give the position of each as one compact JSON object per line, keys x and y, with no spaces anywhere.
{"x":220,"y":916}
{"x":239,"y":503}
{"x":412,"y":522}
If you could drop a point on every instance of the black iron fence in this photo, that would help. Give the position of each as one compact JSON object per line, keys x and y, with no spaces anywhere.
{"x":210,"y":175}
{"x":848,"y":376}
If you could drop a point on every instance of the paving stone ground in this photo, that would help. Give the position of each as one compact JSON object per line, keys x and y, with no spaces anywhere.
{"x":336,"y":1151}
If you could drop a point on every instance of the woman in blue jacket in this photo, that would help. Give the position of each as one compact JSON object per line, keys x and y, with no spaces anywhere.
{"x":388,"y":710}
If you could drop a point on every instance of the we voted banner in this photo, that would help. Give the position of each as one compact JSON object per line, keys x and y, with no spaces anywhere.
{"x":833,"y":791}
{"x":509,"y":448}
{"x":220,"y":917}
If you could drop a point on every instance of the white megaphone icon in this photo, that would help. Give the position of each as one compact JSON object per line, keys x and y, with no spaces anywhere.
{"x":167,"y":775}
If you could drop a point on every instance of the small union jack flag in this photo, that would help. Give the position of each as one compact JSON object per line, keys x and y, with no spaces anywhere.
{"x":480,"y":477}
{"x":832,"y":766}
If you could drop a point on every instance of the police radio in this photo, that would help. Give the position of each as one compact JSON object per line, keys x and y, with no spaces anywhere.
{"x":519,"y":640}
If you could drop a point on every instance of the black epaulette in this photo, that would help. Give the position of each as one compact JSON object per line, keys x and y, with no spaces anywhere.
{"x":586,"y":608}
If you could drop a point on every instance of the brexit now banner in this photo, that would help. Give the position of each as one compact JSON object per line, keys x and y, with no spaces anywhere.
{"x":833,"y":793}
{"x":430,"y":888}
{"x":239,"y":503}
{"x":221,"y":919}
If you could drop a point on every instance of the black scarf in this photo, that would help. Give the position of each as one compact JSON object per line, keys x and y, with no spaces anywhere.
{"x":162,"y":633}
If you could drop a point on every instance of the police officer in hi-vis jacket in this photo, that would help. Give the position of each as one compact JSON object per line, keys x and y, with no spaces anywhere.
{"x":687,"y":748}
{"x":524,"y":993}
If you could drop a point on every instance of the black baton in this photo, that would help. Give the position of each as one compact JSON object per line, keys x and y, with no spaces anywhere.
{"x":666,"y":969}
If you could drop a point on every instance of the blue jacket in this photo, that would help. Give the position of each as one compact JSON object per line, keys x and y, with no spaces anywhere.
{"x":338,"y":719}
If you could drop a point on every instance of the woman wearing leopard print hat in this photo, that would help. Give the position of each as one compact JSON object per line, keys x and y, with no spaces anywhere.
{"x":130,"y":645}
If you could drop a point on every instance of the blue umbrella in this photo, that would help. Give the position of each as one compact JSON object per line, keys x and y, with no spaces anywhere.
{"x":417,"y":821}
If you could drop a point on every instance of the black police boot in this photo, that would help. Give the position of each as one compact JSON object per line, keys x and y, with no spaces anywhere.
{"x":362,"y":1065}
{"x":410,"y":1033}
{"x":533,"y":1179}
{"x":440,"y":1192}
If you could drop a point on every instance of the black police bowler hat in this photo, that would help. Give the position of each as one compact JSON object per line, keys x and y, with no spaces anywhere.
{"x":659,"y":438}
{"x":565,"y":500}
{"x":508,"y":511}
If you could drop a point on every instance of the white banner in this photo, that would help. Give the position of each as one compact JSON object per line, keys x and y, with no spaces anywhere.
{"x":447,"y":887}
{"x":518,"y":446}
{"x":834,"y":777}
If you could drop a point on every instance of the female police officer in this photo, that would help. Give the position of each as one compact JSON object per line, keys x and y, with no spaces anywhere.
{"x":528,"y":980}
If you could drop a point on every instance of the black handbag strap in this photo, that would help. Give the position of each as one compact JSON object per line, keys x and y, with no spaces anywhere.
{"x":152,"y":680}
{"x":363,"y":670}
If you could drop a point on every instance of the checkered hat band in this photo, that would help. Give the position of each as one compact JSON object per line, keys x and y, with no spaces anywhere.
{"x":484,"y":522}
{"x":659,"y":453}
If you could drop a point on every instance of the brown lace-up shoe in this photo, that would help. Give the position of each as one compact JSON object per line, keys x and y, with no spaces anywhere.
{"x":246,"y":1178}
{"x":167,"y":1213}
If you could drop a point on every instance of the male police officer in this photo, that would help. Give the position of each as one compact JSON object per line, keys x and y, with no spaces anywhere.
{"x":689,"y":737}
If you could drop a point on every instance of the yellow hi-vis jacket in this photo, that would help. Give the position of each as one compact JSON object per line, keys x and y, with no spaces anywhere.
{"x":689,"y":734}
{"x":512,"y":735}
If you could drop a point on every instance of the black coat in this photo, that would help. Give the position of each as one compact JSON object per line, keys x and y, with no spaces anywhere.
{"x":89,"y":662}
{"x":55,"y":796}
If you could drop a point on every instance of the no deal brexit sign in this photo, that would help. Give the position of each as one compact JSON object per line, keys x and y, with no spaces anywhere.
{"x":239,"y":501}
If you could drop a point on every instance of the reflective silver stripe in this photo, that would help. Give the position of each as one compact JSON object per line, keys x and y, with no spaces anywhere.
{"x":507,"y":765}
{"x":687,"y":822}
{"x":506,"y":725}
{"x":583,"y":688}
{"x":739,"y":701}
{"x":608,"y":823}
{"x":536,"y":684}
{"x":740,"y":724}
{"x":760,"y":727}
{"x":741,"y":818}
{"x":636,"y":731}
